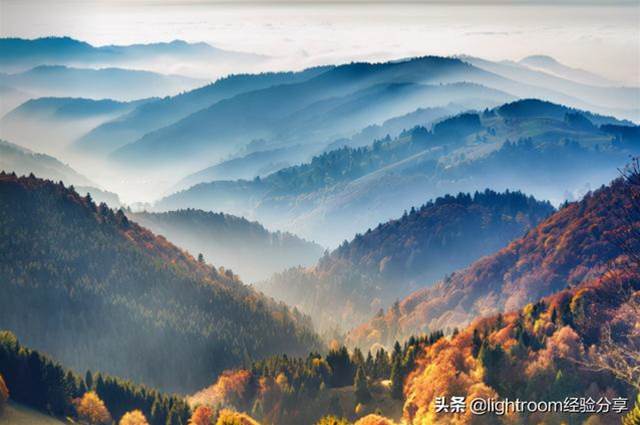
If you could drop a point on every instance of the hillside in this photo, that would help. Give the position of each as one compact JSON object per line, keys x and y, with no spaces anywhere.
{"x":568,"y":86}
{"x":581,"y":340}
{"x":301,"y":111}
{"x":574,"y":245}
{"x":15,"y":414}
{"x":112,"y":83}
{"x":344,"y":191}
{"x":111,"y":135}
{"x":51,"y":123}
{"x":388,"y":262}
{"x":23,"y":161}
{"x":247,"y":248}
{"x":97,"y":291}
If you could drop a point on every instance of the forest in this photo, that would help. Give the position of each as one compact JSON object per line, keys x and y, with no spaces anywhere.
{"x":133,"y":303}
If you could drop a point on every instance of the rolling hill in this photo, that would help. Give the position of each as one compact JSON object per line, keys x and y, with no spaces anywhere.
{"x":23,"y":161}
{"x":51,"y":124}
{"x":548,"y":150}
{"x":383,"y":264}
{"x":111,"y":83}
{"x":302,"y":111}
{"x":247,"y":248}
{"x":126,"y":129}
{"x":576,"y":244}
{"x":83,"y":283}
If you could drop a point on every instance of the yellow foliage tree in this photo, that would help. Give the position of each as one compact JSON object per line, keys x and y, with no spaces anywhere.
{"x":229,"y":417}
{"x":92,"y":410}
{"x":4,"y":393}
{"x":203,"y":415}
{"x":374,"y":420}
{"x":333,"y":420}
{"x":134,"y":417}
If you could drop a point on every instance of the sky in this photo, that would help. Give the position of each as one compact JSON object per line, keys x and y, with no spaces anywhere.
{"x":588,"y":35}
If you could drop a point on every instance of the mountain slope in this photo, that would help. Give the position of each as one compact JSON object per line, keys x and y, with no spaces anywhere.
{"x":113,"y":83}
{"x":573,"y":245}
{"x":245,"y":247}
{"x":126,"y":129}
{"x":548,"y":150}
{"x":622,"y":102}
{"x":52,"y":123}
{"x":22,"y":161}
{"x":358,"y":278}
{"x":233,"y":123}
{"x":551,"y":65}
{"x":86,"y":285}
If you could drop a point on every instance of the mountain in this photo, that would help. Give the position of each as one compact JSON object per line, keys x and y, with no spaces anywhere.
{"x":260,"y":163}
{"x":576,"y":244}
{"x":552,"y":66}
{"x":368,"y":273}
{"x":393,"y":127}
{"x":11,"y":98}
{"x":23,"y":161}
{"x":247,"y":248}
{"x":255,"y":164}
{"x":566,"y":87}
{"x":19,"y":54}
{"x":548,"y":150}
{"x":97,"y":291}
{"x":344,"y":99}
{"x":59,"y":120}
{"x":126,"y":129}
{"x":112,"y":83}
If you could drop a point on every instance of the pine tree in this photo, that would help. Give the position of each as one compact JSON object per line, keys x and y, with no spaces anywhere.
{"x":363,"y":395}
{"x":396,"y":379}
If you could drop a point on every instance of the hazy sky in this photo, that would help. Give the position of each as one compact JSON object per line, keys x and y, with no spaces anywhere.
{"x":603,"y":39}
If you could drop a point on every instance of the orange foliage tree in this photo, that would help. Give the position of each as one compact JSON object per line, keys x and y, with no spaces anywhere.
{"x":134,"y":417}
{"x":92,"y":410}
{"x":229,"y":390}
{"x":202,"y":415}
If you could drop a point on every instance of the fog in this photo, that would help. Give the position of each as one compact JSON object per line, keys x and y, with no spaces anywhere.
{"x":602,"y":39}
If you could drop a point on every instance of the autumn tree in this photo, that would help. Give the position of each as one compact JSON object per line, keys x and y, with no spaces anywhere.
{"x":333,"y":420}
{"x":134,"y":417}
{"x":229,"y":417}
{"x":4,"y":393}
{"x":203,"y":415}
{"x":633,"y":417}
{"x":92,"y":410}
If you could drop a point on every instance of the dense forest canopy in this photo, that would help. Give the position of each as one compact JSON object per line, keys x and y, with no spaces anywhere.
{"x":87,"y":285}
